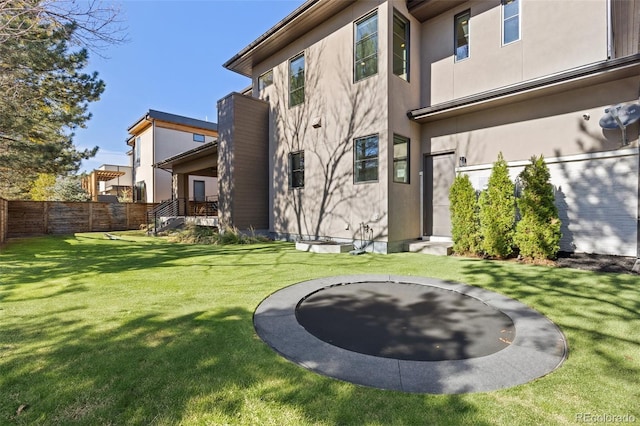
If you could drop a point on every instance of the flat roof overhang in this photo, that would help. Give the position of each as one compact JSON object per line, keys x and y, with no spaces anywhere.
{"x":599,"y":72}
{"x":302,"y":20}
{"x":201,"y":161}
{"x":423,"y":10}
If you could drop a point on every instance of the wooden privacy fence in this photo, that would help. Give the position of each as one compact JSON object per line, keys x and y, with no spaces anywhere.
{"x":27,"y":218}
{"x":4,"y":206}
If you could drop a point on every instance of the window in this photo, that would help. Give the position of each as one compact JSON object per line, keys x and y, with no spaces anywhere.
{"x":265,"y":80}
{"x":510,"y":21}
{"x":296,"y":80}
{"x":366,"y":47}
{"x":140,"y":192}
{"x":198,"y":190}
{"x":400,"y":46}
{"x":198,"y":138}
{"x":365,"y":159}
{"x":296,"y":169}
{"x":400,"y":159}
{"x":136,"y":152}
{"x":461,"y":30}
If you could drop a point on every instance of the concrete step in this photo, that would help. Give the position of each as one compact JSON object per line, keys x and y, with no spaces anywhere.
{"x":438,"y":248}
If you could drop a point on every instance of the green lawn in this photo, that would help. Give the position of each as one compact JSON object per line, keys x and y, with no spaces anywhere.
{"x":141,"y":331}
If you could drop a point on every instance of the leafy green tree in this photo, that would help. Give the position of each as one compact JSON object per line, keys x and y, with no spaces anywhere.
{"x":465,"y":220}
{"x":538,"y":231}
{"x":498,"y":212}
{"x":48,"y":187}
{"x":42,"y":187}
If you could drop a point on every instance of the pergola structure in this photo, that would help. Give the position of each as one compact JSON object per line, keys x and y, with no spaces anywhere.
{"x":91,"y":182}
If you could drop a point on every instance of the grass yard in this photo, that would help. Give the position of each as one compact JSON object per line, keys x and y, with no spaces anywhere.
{"x":142,"y":331}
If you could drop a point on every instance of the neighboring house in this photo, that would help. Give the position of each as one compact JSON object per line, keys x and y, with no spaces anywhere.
{"x":108,"y":180}
{"x":362,"y":112}
{"x":157,"y":136}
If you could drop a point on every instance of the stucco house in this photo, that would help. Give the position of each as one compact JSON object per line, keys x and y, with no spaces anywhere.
{"x":109,"y":181}
{"x":158,"y":136}
{"x":362,"y":112}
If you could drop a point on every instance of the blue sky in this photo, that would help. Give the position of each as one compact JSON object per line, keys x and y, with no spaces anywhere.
{"x":173,"y":63}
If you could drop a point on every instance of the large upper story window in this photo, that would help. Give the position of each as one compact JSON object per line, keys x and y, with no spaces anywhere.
{"x":400,"y":159}
{"x":510,"y":21}
{"x":400,"y":46}
{"x":296,"y":80}
{"x":296,"y":169}
{"x":366,"y":47}
{"x":365,"y":159}
{"x":461,"y":37}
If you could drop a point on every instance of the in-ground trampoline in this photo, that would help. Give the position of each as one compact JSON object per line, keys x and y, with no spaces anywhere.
{"x":410,"y":334}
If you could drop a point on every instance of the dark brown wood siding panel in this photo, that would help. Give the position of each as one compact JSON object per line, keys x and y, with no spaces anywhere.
{"x":252,"y":162}
{"x":243,"y":123}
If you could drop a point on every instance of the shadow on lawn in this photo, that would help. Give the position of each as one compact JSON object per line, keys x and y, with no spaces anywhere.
{"x":154,"y":370}
{"x":598,"y":312}
{"x":42,"y":260}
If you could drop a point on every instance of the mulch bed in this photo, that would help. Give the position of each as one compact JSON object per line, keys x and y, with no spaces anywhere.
{"x":596,"y":262}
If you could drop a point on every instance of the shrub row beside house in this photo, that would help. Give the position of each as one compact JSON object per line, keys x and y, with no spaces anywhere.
{"x":497,"y":224}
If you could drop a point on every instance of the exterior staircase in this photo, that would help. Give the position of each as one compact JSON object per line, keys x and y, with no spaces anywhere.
{"x":438,"y":246}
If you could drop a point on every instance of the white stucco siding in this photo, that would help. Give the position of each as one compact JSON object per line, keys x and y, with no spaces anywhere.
{"x":596,"y":196}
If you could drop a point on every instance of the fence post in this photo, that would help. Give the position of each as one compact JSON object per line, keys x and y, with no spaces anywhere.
{"x":45,"y":215}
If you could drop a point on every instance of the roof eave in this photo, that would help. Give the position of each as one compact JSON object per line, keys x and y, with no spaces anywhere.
{"x":308,"y":15}
{"x":613,"y":68}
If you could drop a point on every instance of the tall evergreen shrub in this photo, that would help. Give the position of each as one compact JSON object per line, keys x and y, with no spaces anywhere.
{"x":538,"y":231}
{"x":498,"y":212}
{"x":465,"y":222}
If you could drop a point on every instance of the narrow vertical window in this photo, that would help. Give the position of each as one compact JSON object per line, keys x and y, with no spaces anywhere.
{"x":400,"y":46}
{"x":140,"y":192}
{"x":461,"y":30}
{"x":136,"y":152}
{"x":296,"y":80}
{"x":400,"y":159}
{"x":510,"y":21}
{"x":366,"y":47}
{"x":265,"y":80}
{"x":365,"y":159}
{"x":296,"y":169}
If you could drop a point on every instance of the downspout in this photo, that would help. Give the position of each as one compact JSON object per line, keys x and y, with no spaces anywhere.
{"x":153,"y":153}
{"x":610,"y":47}
{"x":636,"y":266}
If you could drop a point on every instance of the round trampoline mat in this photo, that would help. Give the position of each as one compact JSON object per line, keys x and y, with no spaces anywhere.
{"x":405,"y":321}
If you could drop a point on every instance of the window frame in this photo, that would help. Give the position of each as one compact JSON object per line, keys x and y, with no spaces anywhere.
{"x":302,"y":88}
{"x":199,"y":137}
{"x":294,"y":183}
{"x":356,"y":42}
{"x":358,"y":161}
{"x":407,"y":44}
{"x":456,"y":19}
{"x":263,"y":82}
{"x":137,"y":151}
{"x":517,"y":16}
{"x":398,"y":159}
